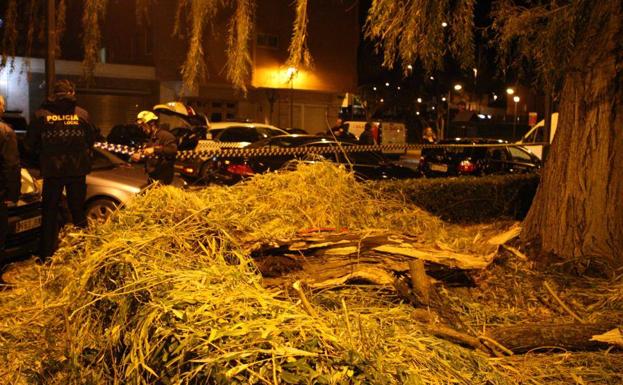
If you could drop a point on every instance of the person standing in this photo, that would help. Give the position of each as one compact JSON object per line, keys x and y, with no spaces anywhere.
{"x":429,"y":137}
{"x":159,"y":151}
{"x":61,"y":137}
{"x":9,"y":176}
{"x":367,"y":137}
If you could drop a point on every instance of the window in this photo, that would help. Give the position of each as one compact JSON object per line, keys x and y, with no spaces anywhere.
{"x":265,"y":40}
{"x":520,"y":155}
{"x":239,"y":134}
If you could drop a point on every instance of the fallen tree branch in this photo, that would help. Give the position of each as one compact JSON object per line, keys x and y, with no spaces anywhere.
{"x":562,"y":304}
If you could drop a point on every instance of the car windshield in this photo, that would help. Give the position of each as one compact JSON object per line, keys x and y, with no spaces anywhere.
{"x":103,"y":160}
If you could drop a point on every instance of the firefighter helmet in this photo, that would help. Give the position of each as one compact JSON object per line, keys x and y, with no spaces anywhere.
{"x":145,"y":117}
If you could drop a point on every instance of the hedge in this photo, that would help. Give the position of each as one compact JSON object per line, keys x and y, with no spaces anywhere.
{"x":468,"y":199}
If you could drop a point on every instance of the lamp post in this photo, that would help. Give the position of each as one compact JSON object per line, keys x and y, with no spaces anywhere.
{"x":457,"y":87}
{"x":516,"y":100}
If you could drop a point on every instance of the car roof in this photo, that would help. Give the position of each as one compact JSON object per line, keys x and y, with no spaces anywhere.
{"x":224,"y":125}
{"x":472,"y":141}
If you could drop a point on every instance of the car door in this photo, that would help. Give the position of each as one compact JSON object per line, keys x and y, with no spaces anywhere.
{"x":522,"y":161}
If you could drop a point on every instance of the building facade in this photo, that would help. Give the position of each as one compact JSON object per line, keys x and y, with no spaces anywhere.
{"x":140,"y":66}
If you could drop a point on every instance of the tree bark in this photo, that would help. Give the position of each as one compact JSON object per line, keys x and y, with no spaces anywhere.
{"x":523,"y":338}
{"x":577,"y":212}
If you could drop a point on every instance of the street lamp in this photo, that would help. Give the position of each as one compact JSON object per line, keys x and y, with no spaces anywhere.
{"x":291,"y":74}
{"x":510,"y":91}
{"x":457,"y":87}
{"x":516,"y":100}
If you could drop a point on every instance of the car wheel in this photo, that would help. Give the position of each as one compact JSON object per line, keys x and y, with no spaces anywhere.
{"x":100,"y":209}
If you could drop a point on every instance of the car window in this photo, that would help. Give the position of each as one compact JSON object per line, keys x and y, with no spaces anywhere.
{"x":497,"y":154}
{"x":104,"y":160}
{"x":239,"y":134}
{"x":28,"y":185}
{"x":520,"y":155}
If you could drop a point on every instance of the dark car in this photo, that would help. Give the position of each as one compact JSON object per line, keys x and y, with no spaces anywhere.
{"x":24,"y":220}
{"x":242,"y":133}
{"x":365,"y":165}
{"x":486,"y":157}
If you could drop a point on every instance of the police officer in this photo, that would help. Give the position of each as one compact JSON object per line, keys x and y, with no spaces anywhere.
{"x":159,"y":151}
{"x":62,"y":137}
{"x":9,"y":175}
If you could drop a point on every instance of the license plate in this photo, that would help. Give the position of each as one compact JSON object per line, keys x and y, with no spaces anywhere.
{"x":439,"y":167}
{"x":27,"y":224}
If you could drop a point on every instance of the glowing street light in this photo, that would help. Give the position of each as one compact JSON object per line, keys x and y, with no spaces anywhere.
{"x":419,"y":100}
{"x":386,"y":84}
{"x":444,"y":24}
{"x":409,"y":67}
{"x":458,"y":87}
{"x":510,"y":91}
{"x":373,"y":88}
{"x":443,"y":99}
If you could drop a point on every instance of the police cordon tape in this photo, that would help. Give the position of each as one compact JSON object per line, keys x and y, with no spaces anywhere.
{"x":206,"y":151}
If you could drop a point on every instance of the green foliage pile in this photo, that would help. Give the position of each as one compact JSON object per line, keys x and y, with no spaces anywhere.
{"x":468,"y":199}
{"x":163,"y":293}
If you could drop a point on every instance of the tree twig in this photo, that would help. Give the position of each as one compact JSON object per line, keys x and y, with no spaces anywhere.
{"x":562,"y":304}
{"x":308,"y":307}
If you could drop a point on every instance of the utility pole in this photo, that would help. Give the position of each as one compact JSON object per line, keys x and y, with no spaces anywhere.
{"x":50,"y":69}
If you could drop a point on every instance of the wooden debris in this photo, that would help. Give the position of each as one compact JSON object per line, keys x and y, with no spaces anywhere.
{"x":329,"y":259}
{"x":613,"y":337}
{"x":527,"y":337}
{"x":420,"y":281}
{"x":506,"y":236}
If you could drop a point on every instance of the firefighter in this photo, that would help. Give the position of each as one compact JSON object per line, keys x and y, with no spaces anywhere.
{"x":61,"y":137}
{"x":159,"y":151}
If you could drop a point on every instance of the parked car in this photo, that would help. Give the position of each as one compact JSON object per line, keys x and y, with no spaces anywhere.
{"x":224,"y":135}
{"x":241,"y":134}
{"x":365,"y":165}
{"x":111,"y":183}
{"x":24,"y":220}
{"x":477,"y":160}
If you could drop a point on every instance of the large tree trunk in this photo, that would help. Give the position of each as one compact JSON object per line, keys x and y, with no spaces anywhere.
{"x":577,"y":212}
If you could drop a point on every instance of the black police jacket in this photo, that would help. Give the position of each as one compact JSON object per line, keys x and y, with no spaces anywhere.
{"x":62,"y":137}
{"x":9,"y":164}
{"x":159,"y":166}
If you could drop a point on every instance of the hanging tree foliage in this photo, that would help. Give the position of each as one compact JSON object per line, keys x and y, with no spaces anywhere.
{"x":238,"y":56}
{"x":407,"y":31}
{"x":197,"y":14}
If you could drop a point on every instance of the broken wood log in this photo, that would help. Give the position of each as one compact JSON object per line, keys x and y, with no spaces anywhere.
{"x":524,"y":338}
{"x":330,"y":259}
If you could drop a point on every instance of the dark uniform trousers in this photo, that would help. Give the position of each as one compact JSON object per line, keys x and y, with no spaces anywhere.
{"x":76,"y":189}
